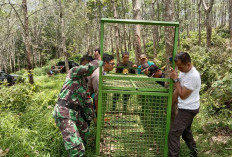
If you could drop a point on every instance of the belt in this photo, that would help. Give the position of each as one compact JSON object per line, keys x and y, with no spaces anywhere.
{"x":68,"y":105}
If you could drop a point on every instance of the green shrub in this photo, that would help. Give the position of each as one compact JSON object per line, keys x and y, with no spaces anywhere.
{"x":27,"y":126}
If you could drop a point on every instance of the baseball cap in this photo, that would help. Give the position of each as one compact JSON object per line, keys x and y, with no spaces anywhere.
{"x":142,"y":56}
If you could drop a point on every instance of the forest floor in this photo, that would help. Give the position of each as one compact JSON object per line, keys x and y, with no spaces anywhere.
{"x":27,"y":128}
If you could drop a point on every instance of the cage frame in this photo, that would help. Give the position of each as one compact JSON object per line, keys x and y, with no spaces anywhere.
{"x":170,"y":90}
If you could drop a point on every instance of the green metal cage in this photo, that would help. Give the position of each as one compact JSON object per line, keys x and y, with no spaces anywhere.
{"x":133,"y":110}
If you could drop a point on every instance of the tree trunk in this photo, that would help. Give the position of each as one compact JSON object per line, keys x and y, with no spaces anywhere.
{"x":169,"y":32}
{"x":27,"y":42}
{"x":63,"y":38}
{"x":116,"y":31}
{"x":208,"y":22}
{"x":199,"y":22}
{"x":137,"y":39}
{"x":230,"y":20}
{"x":129,"y":40}
{"x":155,"y":31}
{"x":111,"y":40}
{"x":186,"y":18}
{"x":144,"y":41}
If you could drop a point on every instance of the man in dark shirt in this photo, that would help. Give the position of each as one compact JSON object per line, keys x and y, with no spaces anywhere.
{"x":124,"y":67}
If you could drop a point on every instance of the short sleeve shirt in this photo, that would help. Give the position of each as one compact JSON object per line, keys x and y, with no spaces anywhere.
{"x":192,"y":81}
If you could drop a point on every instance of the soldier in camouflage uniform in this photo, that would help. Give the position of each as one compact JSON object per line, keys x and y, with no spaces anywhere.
{"x":74,"y":109}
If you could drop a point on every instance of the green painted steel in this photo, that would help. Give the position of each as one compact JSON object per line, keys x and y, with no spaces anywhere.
{"x":133,"y":110}
{"x":143,"y":22}
{"x":99,"y":95}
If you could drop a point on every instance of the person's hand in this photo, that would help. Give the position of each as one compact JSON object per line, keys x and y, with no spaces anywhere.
{"x":173,"y":74}
{"x":134,"y":66}
{"x":96,"y":55}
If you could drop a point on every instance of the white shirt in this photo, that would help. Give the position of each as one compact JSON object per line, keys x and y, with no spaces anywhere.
{"x":93,"y":82}
{"x":192,"y":81}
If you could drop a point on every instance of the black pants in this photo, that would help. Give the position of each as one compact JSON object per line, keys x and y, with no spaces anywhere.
{"x":181,"y":126}
{"x":125,"y":98}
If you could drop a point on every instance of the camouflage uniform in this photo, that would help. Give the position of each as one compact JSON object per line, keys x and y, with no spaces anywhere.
{"x":74,"y":109}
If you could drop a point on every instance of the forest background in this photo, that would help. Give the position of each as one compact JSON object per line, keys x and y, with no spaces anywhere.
{"x":36,"y":34}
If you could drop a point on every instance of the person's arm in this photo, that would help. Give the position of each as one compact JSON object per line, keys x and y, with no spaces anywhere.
{"x":175,"y":97}
{"x":90,"y":85}
{"x":95,"y":83}
{"x":182,"y":92}
{"x":82,"y":70}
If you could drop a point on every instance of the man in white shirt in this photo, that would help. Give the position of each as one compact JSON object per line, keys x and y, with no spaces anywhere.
{"x":186,"y":94}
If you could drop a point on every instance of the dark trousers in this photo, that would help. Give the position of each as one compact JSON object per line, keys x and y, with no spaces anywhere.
{"x":125,"y":98}
{"x":181,"y":126}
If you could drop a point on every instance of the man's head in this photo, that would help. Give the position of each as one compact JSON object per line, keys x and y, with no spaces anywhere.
{"x":85,"y":59}
{"x":108,"y":62}
{"x":154,"y":71}
{"x":96,"y":54}
{"x":125,"y":57}
{"x":183,"y":62}
{"x":143,"y":59}
{"x":144,"y":68}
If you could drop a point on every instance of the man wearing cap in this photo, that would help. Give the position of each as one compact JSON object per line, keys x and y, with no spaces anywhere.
{"x":143,"y":59}
{"x":74,"y":109}
{"x":154,"y":71}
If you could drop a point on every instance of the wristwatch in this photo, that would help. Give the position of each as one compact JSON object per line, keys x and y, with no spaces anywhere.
{"x":176,"y":80}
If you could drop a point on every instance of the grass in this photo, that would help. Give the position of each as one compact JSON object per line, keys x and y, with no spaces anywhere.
{"x":28,"y":129}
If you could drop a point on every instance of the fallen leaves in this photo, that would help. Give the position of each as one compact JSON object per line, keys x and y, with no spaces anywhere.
{"x":3,"y":153}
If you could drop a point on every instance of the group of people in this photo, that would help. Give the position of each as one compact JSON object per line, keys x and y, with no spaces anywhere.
{"x":75,"y":109}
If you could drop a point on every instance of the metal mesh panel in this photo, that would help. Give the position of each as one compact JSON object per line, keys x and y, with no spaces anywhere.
{"x":132,"y":123}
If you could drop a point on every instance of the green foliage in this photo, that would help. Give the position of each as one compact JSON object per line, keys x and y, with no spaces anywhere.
{"x":27,"y":126}
{"x":222,"y":92}
{"x":16,"y":98}
{"x":223,"y":32}
{"x":76,"y":58}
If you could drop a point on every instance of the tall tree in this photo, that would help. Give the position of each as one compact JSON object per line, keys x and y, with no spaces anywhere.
{"x":208,"y":10}
{"x":230,"y":21}
{"x":27,"y":41}
{"x":155,"y":31}
{"x":63,"y":37}
{"x":116,"y":30}
{"x":169,"y":15}
{"x":199,"y":22}
{"x":137,"y":28}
